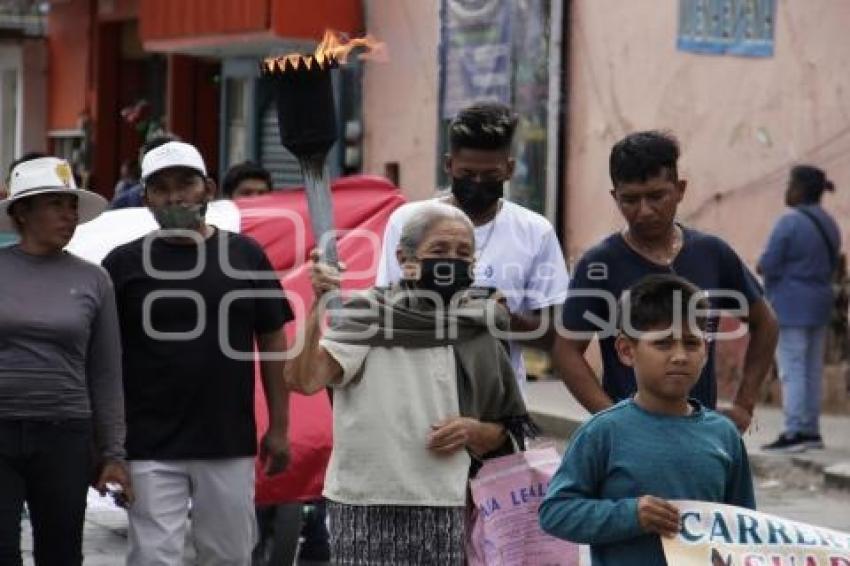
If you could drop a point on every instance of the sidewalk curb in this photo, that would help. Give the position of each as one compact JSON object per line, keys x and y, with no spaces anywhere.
{"x":554,"y":425}
{"x":763,"y":463}
{"x":834,"y":475}
{"x":837,"y":476}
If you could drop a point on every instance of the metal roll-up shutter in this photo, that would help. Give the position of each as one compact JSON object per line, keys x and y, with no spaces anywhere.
{"x":277,"y":159}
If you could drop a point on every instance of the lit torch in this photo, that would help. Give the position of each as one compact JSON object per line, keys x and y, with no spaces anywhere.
{"x":307,"y":121}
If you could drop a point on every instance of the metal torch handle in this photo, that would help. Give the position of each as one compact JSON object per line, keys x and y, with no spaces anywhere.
{"x":320,"y":206}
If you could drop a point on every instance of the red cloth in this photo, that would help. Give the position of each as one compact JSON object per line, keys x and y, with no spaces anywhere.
{"x":280,"y":223}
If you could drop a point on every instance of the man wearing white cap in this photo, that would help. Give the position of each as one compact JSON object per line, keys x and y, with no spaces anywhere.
{"x":192,"y":301}
{"x":60,"y":367}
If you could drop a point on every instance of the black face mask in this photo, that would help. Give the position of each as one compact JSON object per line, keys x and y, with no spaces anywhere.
{"x":445,"y":276}
{"x":474,"y":197}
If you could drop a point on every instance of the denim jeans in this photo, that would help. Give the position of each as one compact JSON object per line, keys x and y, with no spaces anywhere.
{"x":48,"y":464}
{"x":800,"y":357}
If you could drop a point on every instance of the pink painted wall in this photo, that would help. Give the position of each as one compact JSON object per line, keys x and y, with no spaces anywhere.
{"x":400,"y":96}
{"x":742,"y":122}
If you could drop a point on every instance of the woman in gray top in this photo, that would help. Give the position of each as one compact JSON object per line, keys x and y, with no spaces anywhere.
{"x":60,"y":372}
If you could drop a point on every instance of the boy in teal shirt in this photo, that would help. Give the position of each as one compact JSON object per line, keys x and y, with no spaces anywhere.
{"x":613,"y":487}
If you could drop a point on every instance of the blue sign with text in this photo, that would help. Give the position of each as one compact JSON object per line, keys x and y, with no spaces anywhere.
{"x":727,"y":27}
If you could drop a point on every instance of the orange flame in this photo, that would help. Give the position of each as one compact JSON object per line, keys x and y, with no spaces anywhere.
{"x":333,"y":48}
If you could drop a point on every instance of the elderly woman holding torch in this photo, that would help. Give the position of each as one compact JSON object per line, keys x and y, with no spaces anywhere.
{"x":422,"y":390}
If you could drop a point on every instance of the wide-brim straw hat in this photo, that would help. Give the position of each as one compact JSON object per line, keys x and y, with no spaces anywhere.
{"x":48,"y":175}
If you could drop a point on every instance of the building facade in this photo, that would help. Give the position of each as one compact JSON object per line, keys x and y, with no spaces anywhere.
{"x":121,"y":70}
{"x":742,"y":120}
{"x":23,"y":87}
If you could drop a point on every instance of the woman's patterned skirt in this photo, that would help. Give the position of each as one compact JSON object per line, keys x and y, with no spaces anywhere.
{"x":385,"y":534}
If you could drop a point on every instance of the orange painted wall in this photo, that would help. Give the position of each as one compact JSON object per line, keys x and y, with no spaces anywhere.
{"x":168,"y":19}
{"x":308,"y":20}
{"x":69,"y":64}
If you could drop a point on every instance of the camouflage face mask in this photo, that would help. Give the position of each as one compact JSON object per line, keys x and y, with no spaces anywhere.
{"x":180,"y":217}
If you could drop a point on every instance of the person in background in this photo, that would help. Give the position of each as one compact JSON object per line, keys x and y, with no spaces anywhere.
{"x":647,"y":191}
{"x":798,"y":262}
{"x":134,"y":195}
{"x":130,"y":175}
{"x":194,"y":303}
{"x":412,"y":404}
{"x":622,"y":467}
{"x":517,"y":250}
{"x":246,"y":179}
{"x":60,"y":368}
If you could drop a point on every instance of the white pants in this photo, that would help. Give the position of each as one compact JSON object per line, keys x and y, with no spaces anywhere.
{"x":223,"y":521}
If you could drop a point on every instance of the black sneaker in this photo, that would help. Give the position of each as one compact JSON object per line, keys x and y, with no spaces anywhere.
{"x":812,"y":440}
{"x":787,"y":443}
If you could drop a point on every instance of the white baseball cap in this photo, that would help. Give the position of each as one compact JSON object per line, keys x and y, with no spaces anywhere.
{"x":48,"y":175}
{"x":172,"y":154}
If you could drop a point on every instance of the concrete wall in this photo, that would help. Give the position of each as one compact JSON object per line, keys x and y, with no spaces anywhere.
{"x":400,"y":97}
{"x":742,"y":121}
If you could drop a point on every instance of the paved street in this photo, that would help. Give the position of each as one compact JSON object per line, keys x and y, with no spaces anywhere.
{"x":105,"y":535}
{"x":105,"y":531}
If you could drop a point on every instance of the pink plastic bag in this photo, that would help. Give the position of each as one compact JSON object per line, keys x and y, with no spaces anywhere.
{"x":506,"y":494}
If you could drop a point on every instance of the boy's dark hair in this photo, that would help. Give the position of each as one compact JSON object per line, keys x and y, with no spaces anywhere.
{"x":811,"y":181}
{"x":642,"y":155}
{"x":652,"y":302}
{"x":486,"y":125}
{"x":242,"y":171}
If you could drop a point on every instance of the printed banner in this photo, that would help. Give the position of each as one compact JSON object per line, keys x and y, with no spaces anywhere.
{"x":505,"y":531}
{"x":713,"y":534}
{"x":477,"y":53}
{"x":730,"y":27}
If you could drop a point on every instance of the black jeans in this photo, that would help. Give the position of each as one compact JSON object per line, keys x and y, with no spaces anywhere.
{"x":48,"y":464}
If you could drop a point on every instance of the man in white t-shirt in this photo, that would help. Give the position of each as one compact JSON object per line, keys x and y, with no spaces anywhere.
{"x":517,"y":251}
